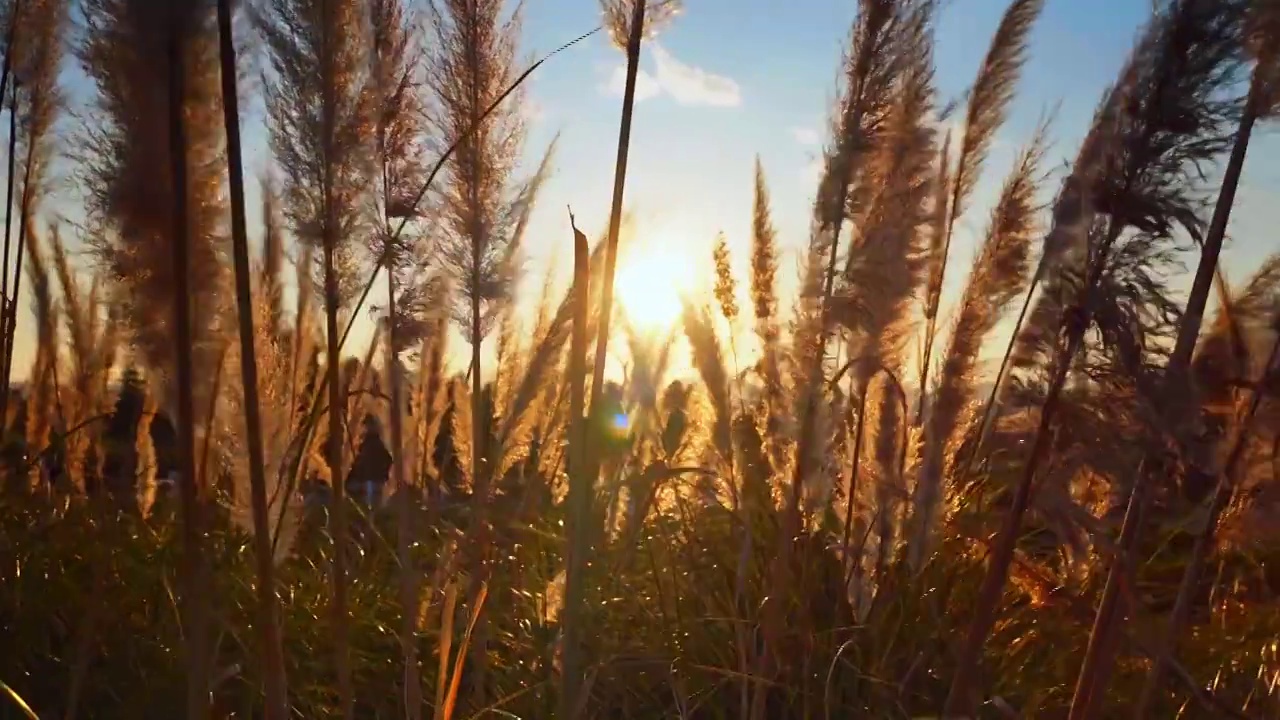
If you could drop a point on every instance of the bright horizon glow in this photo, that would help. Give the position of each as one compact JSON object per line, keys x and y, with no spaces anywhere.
{"x":654,"y":273}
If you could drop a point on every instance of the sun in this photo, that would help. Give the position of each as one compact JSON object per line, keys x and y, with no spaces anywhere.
{"x":651,"y":279}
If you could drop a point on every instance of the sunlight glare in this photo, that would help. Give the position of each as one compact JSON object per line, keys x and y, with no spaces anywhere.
{"x":651,"y":279}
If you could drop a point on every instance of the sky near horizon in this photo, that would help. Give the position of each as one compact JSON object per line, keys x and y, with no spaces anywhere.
{"x":732,"y":79}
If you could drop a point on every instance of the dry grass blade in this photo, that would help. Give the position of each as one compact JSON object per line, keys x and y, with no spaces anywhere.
{"x":455,"y":678}
{"x":17,"y":700}
{"x":444,"y":648}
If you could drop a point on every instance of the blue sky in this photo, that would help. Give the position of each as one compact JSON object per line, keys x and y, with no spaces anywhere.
{"x":767,"y":69}
{"x":730,"y":79}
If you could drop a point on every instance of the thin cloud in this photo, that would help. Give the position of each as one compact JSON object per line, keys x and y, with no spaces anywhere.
{"x":690,"y":85}
{"x":646,"y":85}
{"x":684,"y":83}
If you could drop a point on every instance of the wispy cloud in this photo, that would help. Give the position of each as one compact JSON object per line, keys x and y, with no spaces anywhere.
{"x":690,"y":85}
{"x":805,"y":135}
{"x":646,"y":84}
{"x":684,"y":83}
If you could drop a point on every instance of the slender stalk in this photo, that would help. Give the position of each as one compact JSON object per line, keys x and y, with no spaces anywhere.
{"x":847,"y":542}
{"x":10,"y":307}
{"x":615,"y":210}
{"x":1099,"y":658}
{"x":195,"y":599}
{"x":405,"y":533}
{"x":268,"y":620}
{"x":339,"y":509}
{"x":5,"y":69}
{"x":333,"y":362}
{"x":988,"y":408}
{"x":959,"y":697}
{"x":1193,"y":315}
{"x":580,"y":487}
{"x":24,"y":219}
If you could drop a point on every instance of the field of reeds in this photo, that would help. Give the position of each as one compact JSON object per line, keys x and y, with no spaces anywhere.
{"x":213,"y":506}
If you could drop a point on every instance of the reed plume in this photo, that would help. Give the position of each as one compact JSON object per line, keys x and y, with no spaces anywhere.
{"x":92,"y":340}
{"x":768,"y":327}
{"x":619,"y":14}
{"x":886,"y":79}
{"x":885,"y":264}
{"x":708,"y":358}
{"x":36,"y":55}
{"x":999,"y":275}
{"x":885,"y":39}
{"x":41,"y":402}
{"x":471,"y":63}
{"x":1169,"y":124}
{"x":318,"y":105}
{"x":989,"y":102}
{"x":125,"y":166}
{"x":271,"y":265}
{"x":152,"y":179}
{"x":430,"y":397}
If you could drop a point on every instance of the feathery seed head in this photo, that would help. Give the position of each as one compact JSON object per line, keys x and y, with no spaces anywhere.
{"x":617,"y":17}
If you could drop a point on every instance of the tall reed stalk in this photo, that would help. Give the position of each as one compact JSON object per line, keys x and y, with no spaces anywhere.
{"x":195,"y":564}
{"x":580,"y":489}
{"x":270,"y":635}
{"x":8,"y":306}
{"x":635,"y":35}
{"x":24,"y":221}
